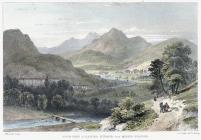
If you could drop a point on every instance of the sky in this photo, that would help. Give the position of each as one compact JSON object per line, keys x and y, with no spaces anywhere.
{"x":49,"y":24}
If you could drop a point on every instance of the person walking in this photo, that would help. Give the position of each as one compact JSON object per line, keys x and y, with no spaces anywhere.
{"x":161,"y":107}
{"x":166,"y":107}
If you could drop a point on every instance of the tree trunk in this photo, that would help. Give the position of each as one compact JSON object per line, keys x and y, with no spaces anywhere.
{"x":172,"y":89}
{"x":161,"y":82}
{"x":177,"y":88}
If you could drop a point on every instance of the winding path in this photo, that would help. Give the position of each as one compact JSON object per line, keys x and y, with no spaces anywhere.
{"x":169,"y":120}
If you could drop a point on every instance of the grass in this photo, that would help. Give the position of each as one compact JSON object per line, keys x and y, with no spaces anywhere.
{"x":191,"y":108}
{"x":144,"y":123}
{"x":191,"y":99}
{"x":191,"y":102}
{"x":90,"y":126}
{"x":192,"y":121}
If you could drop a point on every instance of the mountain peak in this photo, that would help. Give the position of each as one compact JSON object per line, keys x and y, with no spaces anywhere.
{"x":116,"y":33}
{"x":23,"y":43}
{"x":114,"y":30}
{"x":14,"y":32}
{"x":92,"y":36}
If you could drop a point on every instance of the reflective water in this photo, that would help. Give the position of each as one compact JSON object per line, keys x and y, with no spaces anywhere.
{"x":49,"y":121}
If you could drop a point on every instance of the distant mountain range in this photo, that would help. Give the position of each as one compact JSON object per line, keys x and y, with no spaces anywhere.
{"x":115,"y":49}
{"x":22,"y":59}
{"x":71,"y":45}
{"x":111,"y":48}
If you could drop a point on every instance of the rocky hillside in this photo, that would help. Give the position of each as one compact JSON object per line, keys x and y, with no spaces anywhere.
{"x":22,"y":59}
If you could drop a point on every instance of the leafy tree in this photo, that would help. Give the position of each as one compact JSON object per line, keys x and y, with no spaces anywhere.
{"x":11,"y":96}
{"x":47,"y":83}
{"x":26,"y":99}
{"x":41,"y":102}
{"x":29,"y":99}
{"x":155,"y":87}
{"x":57,"y":101}
{"x":10,"y":83}
{"x":105,"y":107}
{"x":156,"y":72}
{"x":94,"y":102}
{"x":193,"y":71}
{"x":177,"y":64}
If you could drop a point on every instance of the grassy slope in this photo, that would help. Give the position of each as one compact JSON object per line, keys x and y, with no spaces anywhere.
{"x":191,"y":100}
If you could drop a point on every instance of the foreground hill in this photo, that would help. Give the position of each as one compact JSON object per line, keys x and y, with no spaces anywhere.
{"x":113,"y":46}
{"x":22,"y":59}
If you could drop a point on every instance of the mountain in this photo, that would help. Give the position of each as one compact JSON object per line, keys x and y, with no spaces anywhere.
{"x":70,"y":45}
{"x":156,"y":51}
{"x":114,"y":45}
{"x":22,"y":59}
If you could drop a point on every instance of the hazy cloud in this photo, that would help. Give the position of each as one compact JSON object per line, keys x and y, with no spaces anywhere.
{"x":49,"y":24}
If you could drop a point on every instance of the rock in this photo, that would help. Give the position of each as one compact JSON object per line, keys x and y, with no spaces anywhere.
{"x":106,"y":125}
{"x":77,"y":129}
{"x":121,"y":127}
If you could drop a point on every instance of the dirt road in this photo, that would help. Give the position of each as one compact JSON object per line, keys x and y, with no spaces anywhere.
{"x":168,"y":120}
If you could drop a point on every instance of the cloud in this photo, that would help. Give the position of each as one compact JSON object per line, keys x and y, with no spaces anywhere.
{"x":112,"y":4}
{"x":134,"y":29}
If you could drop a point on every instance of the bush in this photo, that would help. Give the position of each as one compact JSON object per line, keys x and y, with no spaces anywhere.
{"x":130,"y":113}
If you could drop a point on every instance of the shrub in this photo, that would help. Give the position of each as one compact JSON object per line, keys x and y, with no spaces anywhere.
{"x":131,"y":113}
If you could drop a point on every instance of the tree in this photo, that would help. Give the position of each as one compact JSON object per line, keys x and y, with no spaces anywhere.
{"x":29,"y":99}
{"x":68,"y":93}
{"x":41,"y":102}
{"x":193,"y":71}
{"x":10,"y":83}
{"x":57,"y":101}
{"x":105,"y":107}
{"x":175,"y":80}
{"x":177,"y":64}
{"x":94,"y":102}
{"x":11,"y":97}
{"x":156,"y":72}
{"x":156,"y":88}
{"x":26,"y":99}
{"x":47,"y":83}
